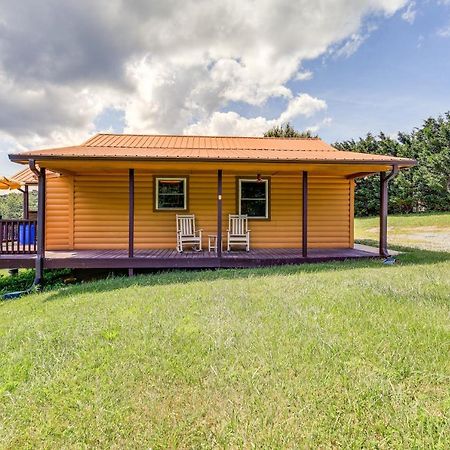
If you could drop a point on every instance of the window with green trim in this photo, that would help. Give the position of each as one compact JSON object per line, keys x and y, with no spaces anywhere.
{"x":254,"y":198}
{"x":171,"y":194}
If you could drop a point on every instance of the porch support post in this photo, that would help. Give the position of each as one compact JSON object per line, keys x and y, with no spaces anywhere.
{"x":219,"y":213}
{"x":40,"y":256}
{"x":383,"y":215}
{"x":26,"y":202}
{"x":130,"y":218}
{"x":304,"y":214}
{"x":384,"y":180}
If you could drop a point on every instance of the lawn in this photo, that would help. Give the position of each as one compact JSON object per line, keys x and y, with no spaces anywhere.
{"x":349,"y":355}
{"x":426,"y":231}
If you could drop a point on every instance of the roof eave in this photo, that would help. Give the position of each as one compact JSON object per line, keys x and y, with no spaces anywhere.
{"x":23,"y":158}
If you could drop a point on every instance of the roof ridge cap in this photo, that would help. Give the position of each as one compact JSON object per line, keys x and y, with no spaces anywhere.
{"x":332,"y":149}
{"x":312,"y":138}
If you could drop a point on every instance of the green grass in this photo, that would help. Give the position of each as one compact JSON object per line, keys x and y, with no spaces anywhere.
{"x":337,"y":355}
{"x":426,"y":231}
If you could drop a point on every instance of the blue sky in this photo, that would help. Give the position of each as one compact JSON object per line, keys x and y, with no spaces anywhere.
{"x":344,"y":70}
{"x":399,"y":76}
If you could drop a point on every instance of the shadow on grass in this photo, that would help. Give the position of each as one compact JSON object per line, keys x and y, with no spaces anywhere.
{"x":408,"y":257}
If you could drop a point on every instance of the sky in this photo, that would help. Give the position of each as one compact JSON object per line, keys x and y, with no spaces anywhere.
{"x":340,"y":68}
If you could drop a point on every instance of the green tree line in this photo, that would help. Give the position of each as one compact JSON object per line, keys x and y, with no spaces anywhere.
{"x":425,"y":187}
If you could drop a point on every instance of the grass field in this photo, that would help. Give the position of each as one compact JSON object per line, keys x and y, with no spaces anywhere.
{"x":349,"y":355}
{"x":426,"y":231}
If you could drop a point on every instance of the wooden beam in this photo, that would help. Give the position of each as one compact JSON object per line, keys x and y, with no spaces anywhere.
{"x":359,"y":175}
{"x":26,"y":202}
{"x":219,"y":213}
{"x":40,"y":256}
{"x":305,"y":214}
{"x":384,"y":184}
{"x":383,"y":214}
{"x":69,"y":173}
{"x":352,"y":214}
{"x":130,"y":217}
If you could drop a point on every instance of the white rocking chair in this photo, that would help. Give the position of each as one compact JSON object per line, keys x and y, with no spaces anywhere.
{"x":238,"y":232}
{"x":187,"y":234}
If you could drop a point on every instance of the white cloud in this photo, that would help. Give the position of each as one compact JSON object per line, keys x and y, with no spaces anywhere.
{"x":170,"y":66}
{"x":304,"y":75}
{"x":420,"y":41}
{"x":409,"y":15}
{"x":351,"y":45}
{"x":444,"y":32}
{"x":323,"y":123}
{"x":302,"y":105}
{"x":226,"y":123}
{"x":230,"y":123}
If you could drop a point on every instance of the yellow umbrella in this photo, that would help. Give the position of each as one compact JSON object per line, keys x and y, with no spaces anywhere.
{"x":6,"y":183}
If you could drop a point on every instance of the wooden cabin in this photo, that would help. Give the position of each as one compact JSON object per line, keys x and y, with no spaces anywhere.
{"x":114,"y":199}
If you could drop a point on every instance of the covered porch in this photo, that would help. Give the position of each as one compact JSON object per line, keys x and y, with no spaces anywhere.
{"x":110,"y":205}
{"x":170,"y":258}
{"x":14,"y":253}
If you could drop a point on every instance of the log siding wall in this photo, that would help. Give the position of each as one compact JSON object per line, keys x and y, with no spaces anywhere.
{"x":59,"y":213}
{"x":90,"y":211}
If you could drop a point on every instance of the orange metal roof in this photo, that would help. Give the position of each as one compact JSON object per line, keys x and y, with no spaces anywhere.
{"x":26,"y":176}
{"x":227,"y":148}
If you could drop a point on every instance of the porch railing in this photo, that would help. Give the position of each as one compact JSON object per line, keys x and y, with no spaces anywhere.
{"x":17,"y":236}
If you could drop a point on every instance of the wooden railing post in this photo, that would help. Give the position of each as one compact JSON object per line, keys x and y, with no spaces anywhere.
{"x":304,"y":214}
{"x":219,"y":213}
{"x":17,"y":236}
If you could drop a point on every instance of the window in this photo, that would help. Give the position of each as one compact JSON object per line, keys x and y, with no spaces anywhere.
{"x":170,"y":193}
{"x":254,"y":198}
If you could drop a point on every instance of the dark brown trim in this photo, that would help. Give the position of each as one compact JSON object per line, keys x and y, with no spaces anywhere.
{"x":40,"y":256}
{"x":383,"y":215}
{"x":384,"y":185}
{"x":130,"y":213}
{"x":130,"y":218}
{"x":269,"y":196}
{"x":401,"y":164}
{"x":155,"y":209}
{"x":26,"y":202}
{"x":219,"y":212}
{"x":304,"y":214}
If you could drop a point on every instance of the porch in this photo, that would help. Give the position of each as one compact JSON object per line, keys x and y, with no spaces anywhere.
{"x":167,"y":258}
{"x":119,"y":194}
{"x":22,"y":242}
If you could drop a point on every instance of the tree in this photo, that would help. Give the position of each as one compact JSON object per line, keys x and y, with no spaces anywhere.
{"x":11,"y":204}
{"x":288,"y":131}
{"x":425,"y":187}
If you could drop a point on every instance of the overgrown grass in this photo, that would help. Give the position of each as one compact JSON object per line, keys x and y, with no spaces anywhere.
{"x":24,"y":279}
{"x":348,"y":355}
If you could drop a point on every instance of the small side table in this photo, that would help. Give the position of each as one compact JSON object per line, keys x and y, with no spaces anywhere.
{"x":212,"y":243}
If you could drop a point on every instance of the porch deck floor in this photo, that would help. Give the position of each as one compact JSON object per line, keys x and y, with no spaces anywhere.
{"x":167,"y":258}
